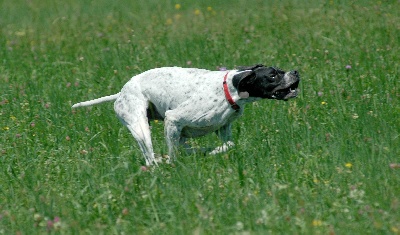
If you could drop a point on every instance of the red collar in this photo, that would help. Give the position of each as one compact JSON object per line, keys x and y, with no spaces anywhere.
{"x":228,"y":95}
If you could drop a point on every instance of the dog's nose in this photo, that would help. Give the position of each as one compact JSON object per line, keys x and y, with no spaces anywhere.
{"x":295,"y":73}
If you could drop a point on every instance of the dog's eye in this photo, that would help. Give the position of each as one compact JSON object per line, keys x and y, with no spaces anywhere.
{"x":273,"y":73}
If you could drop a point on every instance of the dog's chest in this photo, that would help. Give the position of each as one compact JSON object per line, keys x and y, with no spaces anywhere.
{"x":209,"y":123}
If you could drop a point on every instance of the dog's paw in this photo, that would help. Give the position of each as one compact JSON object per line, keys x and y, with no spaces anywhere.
{"x":162,"y":159}
{"x":223,"y":148}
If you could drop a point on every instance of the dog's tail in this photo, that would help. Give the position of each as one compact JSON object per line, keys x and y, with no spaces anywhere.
{"x":96,"y":101}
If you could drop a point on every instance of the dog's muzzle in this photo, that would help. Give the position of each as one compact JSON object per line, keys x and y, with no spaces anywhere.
{"x":288,"y":88}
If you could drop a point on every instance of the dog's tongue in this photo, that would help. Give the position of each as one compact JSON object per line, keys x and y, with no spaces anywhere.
{"x":291,"y":94}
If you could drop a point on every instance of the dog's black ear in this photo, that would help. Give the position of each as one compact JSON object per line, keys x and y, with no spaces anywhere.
{"x":243,"y":68}
{"x":241,"y":80}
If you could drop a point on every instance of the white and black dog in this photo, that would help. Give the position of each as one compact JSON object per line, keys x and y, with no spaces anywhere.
{"x":194,"y":102}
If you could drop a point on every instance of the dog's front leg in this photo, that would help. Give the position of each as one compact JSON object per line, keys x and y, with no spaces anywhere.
{"x":224,"y":134}
{"x":172,"y":131}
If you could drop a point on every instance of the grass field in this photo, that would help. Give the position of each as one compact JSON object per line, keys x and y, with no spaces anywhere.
{"x":327,"y":162}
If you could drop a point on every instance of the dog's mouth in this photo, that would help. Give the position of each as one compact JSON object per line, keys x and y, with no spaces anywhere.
{"x":286,"y":92}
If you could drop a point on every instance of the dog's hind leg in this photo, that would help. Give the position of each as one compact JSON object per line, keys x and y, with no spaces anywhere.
{"x":141,"y":132}
{"x":132,"y":114}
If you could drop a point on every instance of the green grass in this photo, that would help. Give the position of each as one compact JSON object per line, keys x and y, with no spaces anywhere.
{"x":319,"y":164}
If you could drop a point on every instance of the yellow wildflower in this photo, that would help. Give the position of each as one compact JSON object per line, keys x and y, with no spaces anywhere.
{"x":316,"y":223}
{"x":348,"y":165}
{"x":209,"y":8}
{"x":324,"y":103}
{"x":169,"y":21}
{"x":177,"y":6}
{"x":197,"y":12}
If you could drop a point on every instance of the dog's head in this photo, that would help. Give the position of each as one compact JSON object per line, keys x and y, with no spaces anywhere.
{"x":266,"y":82}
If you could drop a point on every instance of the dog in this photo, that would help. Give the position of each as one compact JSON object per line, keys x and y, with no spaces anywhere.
{"x":194,"y":102}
